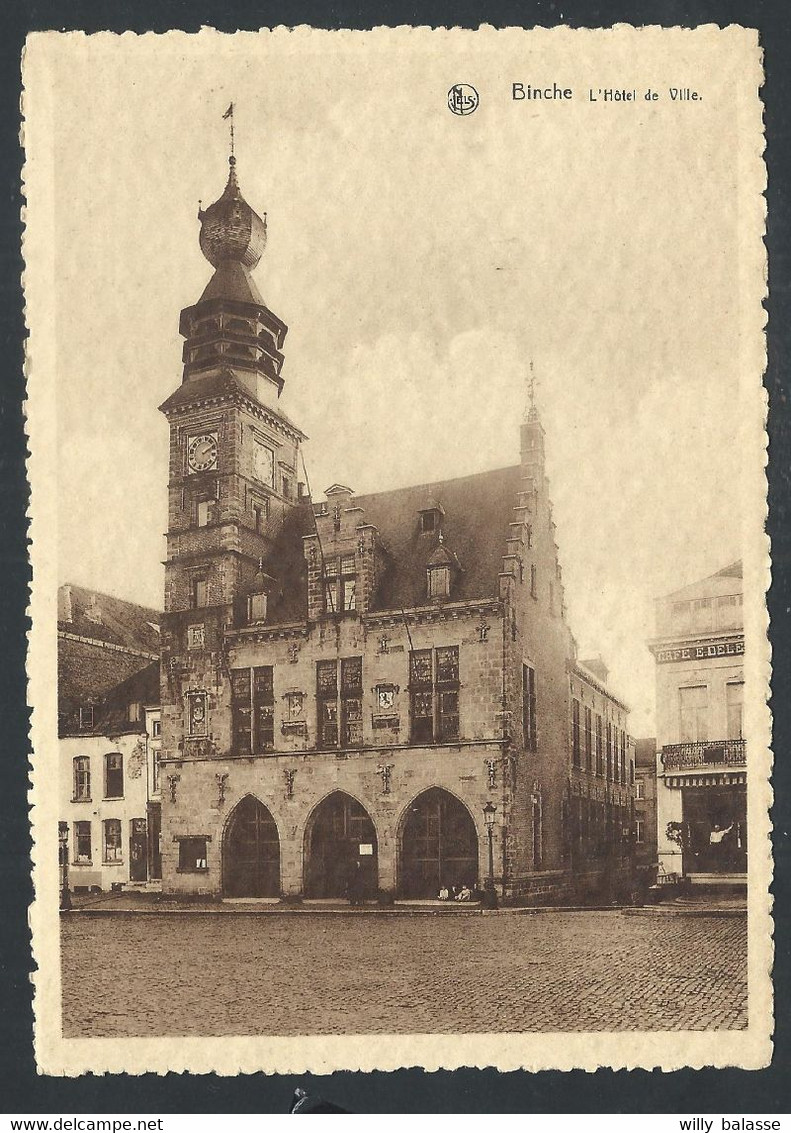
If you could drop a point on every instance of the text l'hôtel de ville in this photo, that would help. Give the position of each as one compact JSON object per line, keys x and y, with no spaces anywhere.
{"x":529,"y":92}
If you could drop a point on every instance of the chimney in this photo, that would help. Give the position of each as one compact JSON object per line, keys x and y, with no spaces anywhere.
{"x":64,"y":604}
{"x":596,"y":666}
{"x":93,"y":611}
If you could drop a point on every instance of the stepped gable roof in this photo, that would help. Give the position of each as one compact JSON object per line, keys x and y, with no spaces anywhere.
{"x":477,"y":512}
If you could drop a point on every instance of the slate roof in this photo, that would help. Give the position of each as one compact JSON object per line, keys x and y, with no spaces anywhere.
{"x":111,"y":711}
{"x":103,"y":617}
{"x":215,"y":384}
{"x":477,"y":512}
{"x":218,"y":383}
{"x":645,"y":752}
{"x":232,"y":281}
{"x":701,"y":588}
{"x":112,"y":718}
{"x":116,"y":640}
{"x":289,"y":602}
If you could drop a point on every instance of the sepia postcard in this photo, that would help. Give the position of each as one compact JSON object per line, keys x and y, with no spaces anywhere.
{"x":398,"y":662}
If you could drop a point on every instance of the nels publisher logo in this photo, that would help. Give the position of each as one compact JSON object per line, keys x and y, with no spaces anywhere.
{"x":462,"y":99}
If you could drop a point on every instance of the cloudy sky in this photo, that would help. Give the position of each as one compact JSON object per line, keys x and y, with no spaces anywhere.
{"x":420,"y":260}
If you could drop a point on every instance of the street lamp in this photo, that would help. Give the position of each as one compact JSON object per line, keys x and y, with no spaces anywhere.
{"x":63,"y":861}
{"x":489,"y":892}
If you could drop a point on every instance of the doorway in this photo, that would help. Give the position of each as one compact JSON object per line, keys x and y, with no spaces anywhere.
{"x":439,"y":845}
{"x":340,"y":849}
{"x":251,"y":852}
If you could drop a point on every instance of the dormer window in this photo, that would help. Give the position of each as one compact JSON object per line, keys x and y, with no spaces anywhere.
{"x":441,"y":569}
{"x":256,"y":608}
{"x":430,"y":519}
{"x":439,"y":582}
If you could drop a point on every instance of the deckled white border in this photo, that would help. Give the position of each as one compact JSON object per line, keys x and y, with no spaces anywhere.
{"x":750,"y":1048}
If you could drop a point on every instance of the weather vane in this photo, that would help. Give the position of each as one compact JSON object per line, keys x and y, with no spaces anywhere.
{"x":229,"y":114}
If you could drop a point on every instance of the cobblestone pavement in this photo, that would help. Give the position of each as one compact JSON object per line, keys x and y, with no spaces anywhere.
{"x":185,"y":974}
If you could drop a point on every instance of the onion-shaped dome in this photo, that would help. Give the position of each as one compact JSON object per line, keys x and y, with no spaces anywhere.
{"x":230,"y":229}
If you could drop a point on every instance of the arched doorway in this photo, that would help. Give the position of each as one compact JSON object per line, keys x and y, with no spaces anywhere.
{"x":439,"y":845}
{"x":340,"y":848}
{"x":251,"y":852}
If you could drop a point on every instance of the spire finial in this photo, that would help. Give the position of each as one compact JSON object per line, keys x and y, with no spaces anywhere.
{"x":229,"y":114}
{"x":232,"y":157}
{"x":531,"y":413}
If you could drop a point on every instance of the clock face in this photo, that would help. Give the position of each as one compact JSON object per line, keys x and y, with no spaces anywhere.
{"x":264,"y":464}
{"x":202,"y":452}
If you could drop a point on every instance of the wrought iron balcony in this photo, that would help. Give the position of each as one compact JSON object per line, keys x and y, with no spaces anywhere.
{"x":711,"y":753}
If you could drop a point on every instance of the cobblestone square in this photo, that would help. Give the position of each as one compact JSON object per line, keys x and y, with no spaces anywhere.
{"x":313,"y":973}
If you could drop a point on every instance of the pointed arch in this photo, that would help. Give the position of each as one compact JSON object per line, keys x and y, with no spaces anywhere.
{"x":341,"y":849}
{"x":438,"y":845}
{"x":251,"y":851}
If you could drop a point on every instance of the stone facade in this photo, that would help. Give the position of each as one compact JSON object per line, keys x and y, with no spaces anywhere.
{"x":347,"y":683}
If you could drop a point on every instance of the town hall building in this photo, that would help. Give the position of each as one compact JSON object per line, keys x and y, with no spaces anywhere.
{"x":353,"y":687}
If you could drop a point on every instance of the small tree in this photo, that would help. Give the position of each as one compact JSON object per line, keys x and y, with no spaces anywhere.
{"x":678,"y":832}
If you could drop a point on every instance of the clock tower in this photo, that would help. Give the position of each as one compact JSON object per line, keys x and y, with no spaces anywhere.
{"x":232,"y":476}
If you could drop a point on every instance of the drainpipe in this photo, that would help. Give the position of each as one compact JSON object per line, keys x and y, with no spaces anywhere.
{"x":504,"y":746}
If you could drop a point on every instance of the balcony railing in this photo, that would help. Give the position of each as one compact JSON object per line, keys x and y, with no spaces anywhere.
{"x":712,"y":753}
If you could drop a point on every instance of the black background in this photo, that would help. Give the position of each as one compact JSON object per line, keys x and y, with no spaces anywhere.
{"x":464,"y":1091}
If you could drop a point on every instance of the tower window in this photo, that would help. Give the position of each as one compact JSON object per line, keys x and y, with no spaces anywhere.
{"x":200,"y":593}
{"x":203,"y":513}
{"x":533,"y":581}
